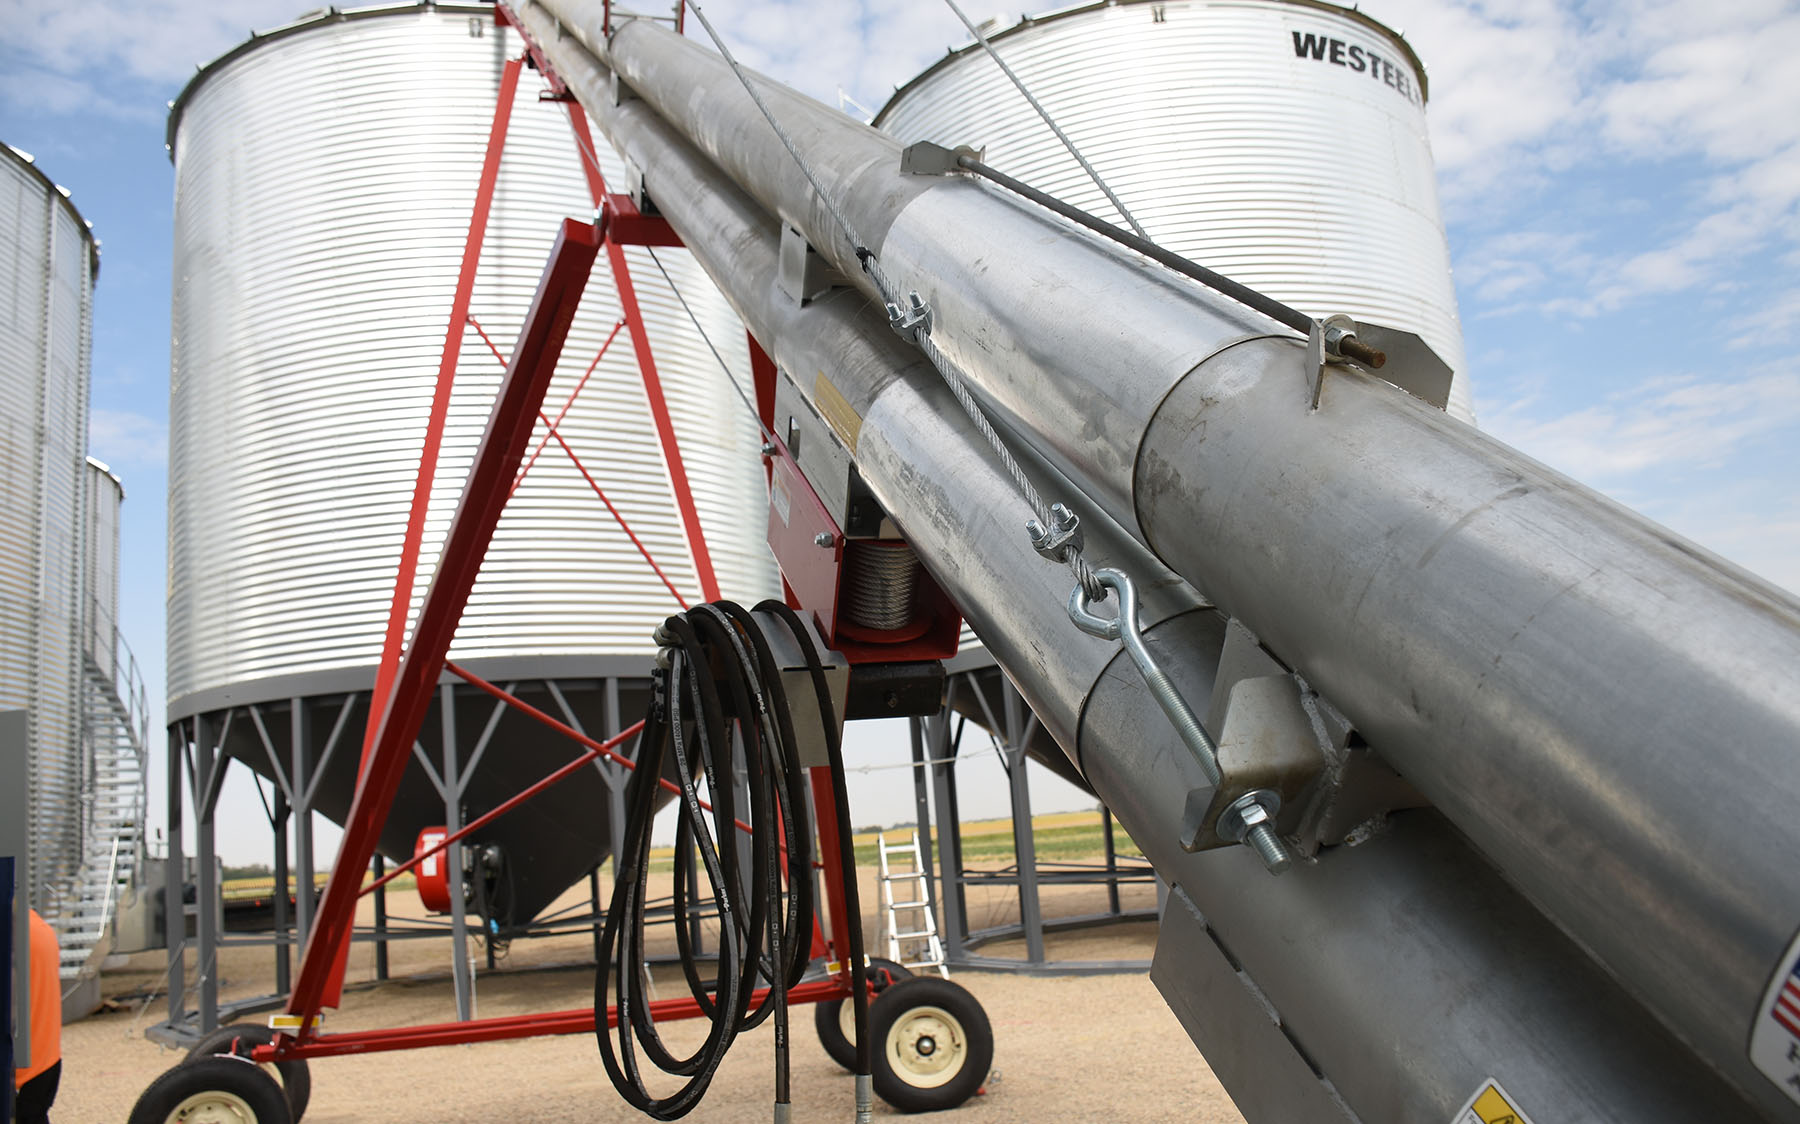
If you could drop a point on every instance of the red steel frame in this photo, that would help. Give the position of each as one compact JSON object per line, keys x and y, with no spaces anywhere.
{"x":410,"y":671}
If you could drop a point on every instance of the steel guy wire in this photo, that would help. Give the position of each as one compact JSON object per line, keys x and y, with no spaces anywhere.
{"x":914,"y":325}
{"x":1072,"y":556}
{"x":1093,"y":174}
{"x":724,"y":367}
{"x":587,"y":150}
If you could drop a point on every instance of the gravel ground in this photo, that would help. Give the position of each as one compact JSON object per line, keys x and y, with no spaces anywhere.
{"x":1074,"y":1048}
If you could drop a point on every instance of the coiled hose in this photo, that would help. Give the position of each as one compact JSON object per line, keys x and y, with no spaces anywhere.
{"x":720,"y":684}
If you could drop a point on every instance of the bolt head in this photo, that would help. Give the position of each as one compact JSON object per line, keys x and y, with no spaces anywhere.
{"x":824,"y":538}
{"x":1252,"y":815}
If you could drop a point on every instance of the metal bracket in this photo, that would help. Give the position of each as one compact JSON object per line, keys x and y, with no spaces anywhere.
{"x":797,"y":684}
{"x":1324,"y":345}
{"x":1055,"y":541}
{"x":801,"y":272}
{"x":909,"y":322}
{"x":927,"y":159}
{"x":1412,"y":365}
{"x":619,"y":91}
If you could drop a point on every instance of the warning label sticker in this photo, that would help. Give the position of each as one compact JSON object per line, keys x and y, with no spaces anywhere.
{"x":1490,"y":1105}
{"x":1775,"y":1035}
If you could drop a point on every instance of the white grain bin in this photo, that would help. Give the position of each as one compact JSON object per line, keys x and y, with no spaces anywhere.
{"x":1279,"y":142}
{"x":48,"y":262}
{"x":325,"y":174}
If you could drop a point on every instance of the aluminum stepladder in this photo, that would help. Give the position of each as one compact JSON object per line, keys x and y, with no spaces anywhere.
{"x":921,"y":931}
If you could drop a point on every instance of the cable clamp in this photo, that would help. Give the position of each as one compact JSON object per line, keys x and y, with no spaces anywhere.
{"x":909,"y":322}
{"x":1055,"y":541}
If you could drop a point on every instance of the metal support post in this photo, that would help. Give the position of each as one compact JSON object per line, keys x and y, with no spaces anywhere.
{"x":1112,"y":861}
{"x":595,"y":907}
{"x":174,"y":915}
{"x":615,"y":776}
{"x":922,"y":811}
{"x":740,"y":779}
{"x":461,"y":973}
{"x":1031,"y":914}
{"x":303,"y":835}
{"x":207,"y":892}
{"x":696,"y":938}
{"x":943,"y":769}
{"x":381,"y":917}
{"x":284,"y":960}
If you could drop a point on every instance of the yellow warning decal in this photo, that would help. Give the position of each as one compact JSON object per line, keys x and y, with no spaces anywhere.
{"x":839,"y":414}
{"x":1491,"y":1105}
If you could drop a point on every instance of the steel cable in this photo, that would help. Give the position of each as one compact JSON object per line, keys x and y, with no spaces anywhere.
{"x":1072,"y":557}
{"x":1093,"y":174}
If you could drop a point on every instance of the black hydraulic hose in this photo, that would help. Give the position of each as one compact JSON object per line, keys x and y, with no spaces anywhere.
{"x":859,"y":971}
{"x":1243,"y":294}
{"x":721,"y":686}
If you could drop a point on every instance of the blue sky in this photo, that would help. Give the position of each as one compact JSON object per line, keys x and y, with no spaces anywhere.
{"x":1621,"y":184}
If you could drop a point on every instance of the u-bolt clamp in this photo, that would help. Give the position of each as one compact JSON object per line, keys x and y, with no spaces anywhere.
{"x":1253,"y":822}
{"x":908,"y":322}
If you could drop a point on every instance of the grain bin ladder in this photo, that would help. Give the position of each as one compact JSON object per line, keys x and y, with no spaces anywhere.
{"x":922,"y":934}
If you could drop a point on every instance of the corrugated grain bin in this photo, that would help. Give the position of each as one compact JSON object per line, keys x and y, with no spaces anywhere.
{"x":1279,"y":142}
{"x":325,"y":176}
{"x":48,"y":262}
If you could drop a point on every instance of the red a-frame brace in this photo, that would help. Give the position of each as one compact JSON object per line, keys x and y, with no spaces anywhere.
{"x":409,"y":673}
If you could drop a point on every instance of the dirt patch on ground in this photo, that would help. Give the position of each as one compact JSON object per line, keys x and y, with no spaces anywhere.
{"x":1075,"y":1048}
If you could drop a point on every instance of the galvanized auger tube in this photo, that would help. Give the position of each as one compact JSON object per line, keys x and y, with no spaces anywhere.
{"x":1405,"y":971}
{"x":1606,"y":710}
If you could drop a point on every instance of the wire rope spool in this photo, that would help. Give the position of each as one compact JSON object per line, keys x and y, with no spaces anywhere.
{"x":881,"y":583}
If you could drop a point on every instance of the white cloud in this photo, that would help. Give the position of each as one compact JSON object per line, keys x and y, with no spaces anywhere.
{"x":147,"y":40}
{"x":1739,"y":521}
{"x":121,"y":438}
{"x":1672,"y":423}
{"x":1702,"y":95}
{"x":863,"y":47}
{"x":1504,"y":79}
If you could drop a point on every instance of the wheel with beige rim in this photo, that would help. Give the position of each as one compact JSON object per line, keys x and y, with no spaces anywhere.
{"x":240,"y":1039}
{"x":933,"y":1044}
{"x":218,"y":1090}
{"x":835,"y":1019}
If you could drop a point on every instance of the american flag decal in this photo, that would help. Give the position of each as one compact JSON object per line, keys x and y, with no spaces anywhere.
{"x":1775,"y":1035}
{"x":1786,"y":1008}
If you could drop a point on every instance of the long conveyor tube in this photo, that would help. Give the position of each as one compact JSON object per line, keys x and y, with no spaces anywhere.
{"x":1394,"y":983}
{"x":1605,"y":709}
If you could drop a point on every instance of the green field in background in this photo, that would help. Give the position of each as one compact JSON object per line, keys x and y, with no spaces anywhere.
{"x":1061,"y":837}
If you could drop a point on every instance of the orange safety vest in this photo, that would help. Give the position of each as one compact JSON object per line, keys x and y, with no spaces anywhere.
{"x":46,"y":1000}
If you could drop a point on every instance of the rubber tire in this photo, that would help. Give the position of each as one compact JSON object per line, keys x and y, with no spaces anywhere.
{"x":895,"y":1005}
{"x":295,"y":1079}
{"x":238,"y":1077}
{"x":828,"y":1017}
